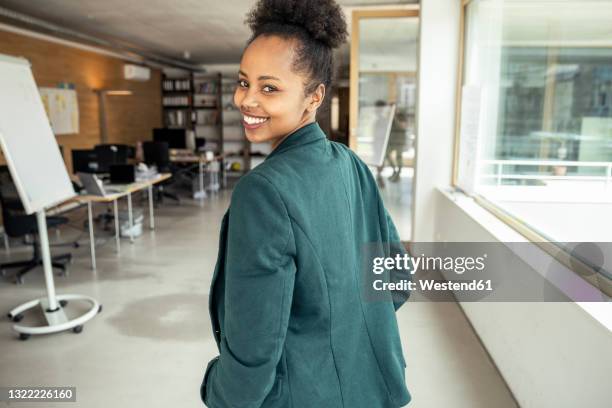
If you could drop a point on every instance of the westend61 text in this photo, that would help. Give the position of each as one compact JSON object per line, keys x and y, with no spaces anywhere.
{"x":430,"y":284}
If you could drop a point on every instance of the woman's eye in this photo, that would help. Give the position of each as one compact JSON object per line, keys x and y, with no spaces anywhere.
{"x":268,"y":89}
{"x":242,"y":83}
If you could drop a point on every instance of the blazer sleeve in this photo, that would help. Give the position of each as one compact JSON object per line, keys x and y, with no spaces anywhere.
{"x":396,"y":275}
{"x":259,"y":281}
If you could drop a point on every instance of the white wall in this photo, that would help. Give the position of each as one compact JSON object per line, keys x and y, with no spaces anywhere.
{"x":550,"y":354}
{"x":437,"y":79}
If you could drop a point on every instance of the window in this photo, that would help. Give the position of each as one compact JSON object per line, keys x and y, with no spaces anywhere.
{"x":535,"y":131}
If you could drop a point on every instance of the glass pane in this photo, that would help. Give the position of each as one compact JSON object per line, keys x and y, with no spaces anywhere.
{"x":386,"y":112}
{"x":542,"y":71}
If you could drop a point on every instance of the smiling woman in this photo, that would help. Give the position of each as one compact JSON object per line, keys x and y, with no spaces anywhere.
{"x":285,"y":303}
{"x":270,"y":95}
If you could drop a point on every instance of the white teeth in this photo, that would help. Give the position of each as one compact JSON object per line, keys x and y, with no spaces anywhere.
{"x":252,"y":121}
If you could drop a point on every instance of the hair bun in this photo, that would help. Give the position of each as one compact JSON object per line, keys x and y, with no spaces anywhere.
{"x":323,"y":20}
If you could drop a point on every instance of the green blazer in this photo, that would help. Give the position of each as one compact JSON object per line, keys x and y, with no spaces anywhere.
{"x":286,"y":301}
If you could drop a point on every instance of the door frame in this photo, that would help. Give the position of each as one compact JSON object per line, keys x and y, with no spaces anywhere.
{"x":354,"y":64}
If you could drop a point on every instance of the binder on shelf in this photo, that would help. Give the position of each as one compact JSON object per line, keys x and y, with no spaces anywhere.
{"x":173,"y":85}
{"x":175,"y":118}
{"x":175,"y":101}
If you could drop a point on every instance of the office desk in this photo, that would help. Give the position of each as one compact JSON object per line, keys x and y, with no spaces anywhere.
{"x":114,"y":197}
{"x":202,"y":162}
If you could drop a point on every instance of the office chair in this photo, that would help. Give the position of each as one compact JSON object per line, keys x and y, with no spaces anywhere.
{"x":158,"y":153}
{"x":17,"y":224}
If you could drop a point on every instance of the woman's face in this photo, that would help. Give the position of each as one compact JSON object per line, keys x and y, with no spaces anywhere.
{"x":270,"y":94}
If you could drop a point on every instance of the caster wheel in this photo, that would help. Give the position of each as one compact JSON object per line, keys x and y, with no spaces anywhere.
{"x":24,"y":336}
{"x":17,"y":318}
{"x":100,"y":309}
{"x":77,"y":329}
{"x":63,"y":303}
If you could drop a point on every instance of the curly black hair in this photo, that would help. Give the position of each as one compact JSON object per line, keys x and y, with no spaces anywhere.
{"x":317,"y":25}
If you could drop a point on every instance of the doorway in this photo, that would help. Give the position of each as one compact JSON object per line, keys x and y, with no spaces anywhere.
{"x":383,"y":92}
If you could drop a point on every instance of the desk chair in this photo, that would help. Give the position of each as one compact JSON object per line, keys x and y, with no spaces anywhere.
{"x":17,"y":224}
{"x":158,"y":153}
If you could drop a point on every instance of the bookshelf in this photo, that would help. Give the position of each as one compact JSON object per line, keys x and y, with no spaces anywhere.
{"x":191,"y":101}
{"x":207,"y":111}
{"x":177,"y":101}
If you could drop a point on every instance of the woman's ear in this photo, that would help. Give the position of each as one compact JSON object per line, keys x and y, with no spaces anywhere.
{"x":316,"y":98}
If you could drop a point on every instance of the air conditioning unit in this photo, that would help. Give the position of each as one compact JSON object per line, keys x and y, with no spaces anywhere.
{"x":136,"y":72}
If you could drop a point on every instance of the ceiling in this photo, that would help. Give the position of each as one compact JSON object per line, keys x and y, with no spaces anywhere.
{"x":193,"y":31}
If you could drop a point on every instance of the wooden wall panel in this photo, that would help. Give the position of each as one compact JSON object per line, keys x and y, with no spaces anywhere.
{"x":129,"y":118}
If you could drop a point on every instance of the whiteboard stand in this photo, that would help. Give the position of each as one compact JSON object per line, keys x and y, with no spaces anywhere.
{"x":52,"y":305}
{"x":41,"y":180}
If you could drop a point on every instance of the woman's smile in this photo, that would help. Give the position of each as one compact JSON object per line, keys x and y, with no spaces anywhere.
{"x":253,"y":122}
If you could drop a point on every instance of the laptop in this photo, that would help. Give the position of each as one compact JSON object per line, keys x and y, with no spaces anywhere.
{"x":94,"y":186}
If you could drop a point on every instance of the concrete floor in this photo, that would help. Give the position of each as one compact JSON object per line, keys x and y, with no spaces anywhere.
{"x":397,"y":196}
{"x":150,"y":345}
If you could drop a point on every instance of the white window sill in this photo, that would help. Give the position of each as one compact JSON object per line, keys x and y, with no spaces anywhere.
{"x":600,"y":311}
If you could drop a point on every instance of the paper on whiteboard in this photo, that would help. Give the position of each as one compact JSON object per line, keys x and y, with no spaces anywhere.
{"x":62,"y":109}
{"x":468,"y":138}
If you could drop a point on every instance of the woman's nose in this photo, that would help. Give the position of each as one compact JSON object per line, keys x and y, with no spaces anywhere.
{"x":249,"y":100}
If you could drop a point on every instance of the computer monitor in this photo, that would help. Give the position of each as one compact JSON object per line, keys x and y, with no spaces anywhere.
{"x":176,"y":138}
{"x":111,"y":154}
{"x":85,"y":161}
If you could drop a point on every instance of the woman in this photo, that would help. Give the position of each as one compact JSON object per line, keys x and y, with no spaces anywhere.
{"x":286,"y":297}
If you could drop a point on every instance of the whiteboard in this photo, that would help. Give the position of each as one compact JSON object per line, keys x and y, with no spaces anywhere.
{"x":373,"y":129}
{"x":28,"y":144}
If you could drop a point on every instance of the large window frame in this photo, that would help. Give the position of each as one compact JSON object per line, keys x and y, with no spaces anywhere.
{"x":559,"y":253}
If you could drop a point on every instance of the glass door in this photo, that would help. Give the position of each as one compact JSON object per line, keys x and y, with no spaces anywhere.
{"x":383,"y":103}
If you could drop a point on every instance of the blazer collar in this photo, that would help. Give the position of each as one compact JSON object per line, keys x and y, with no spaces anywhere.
{"x":306,"y":134}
